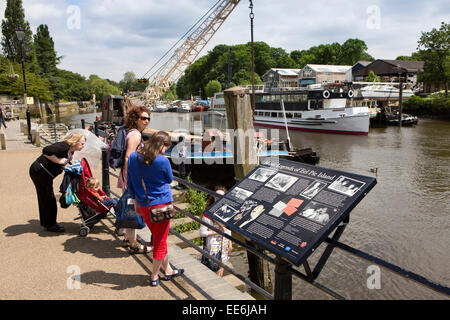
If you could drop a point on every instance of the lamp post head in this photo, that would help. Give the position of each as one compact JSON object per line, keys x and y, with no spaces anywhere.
{"x":20,"y":33}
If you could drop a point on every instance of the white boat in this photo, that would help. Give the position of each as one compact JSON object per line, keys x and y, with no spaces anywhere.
{"x":161,"y":107}
{"x":308,"y":110}
{"x":184,"y":107}
{"x":218,"y":102}
{"x":384,"y":92}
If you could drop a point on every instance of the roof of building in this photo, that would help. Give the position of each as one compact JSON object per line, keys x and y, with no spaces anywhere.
{"x":284,"y":71}
{"x":410,"y":66}
{"x":328,"y":68}
{"x":363,"y":63}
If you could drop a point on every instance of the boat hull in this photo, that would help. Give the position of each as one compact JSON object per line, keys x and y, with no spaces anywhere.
{"x":342,"y":121}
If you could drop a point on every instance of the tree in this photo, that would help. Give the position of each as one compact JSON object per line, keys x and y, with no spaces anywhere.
{"x":15,"y":18}
{"x":354,"y":50}
{"x":45,"y":51}
{"x":36,"y":86}
{"x":436,"y":54}
{"x":101,"y":87}
{"x":212,"y":87}
{"x":372,"y":77}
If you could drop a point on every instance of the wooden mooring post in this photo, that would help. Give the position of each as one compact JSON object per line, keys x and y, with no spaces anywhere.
{"x":240,"y":121}
{"x":283,"y":280}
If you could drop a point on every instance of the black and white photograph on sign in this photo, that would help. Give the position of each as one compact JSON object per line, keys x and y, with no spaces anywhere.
{"x":246,"y":207}
{"x":225,"y":212}
{"x":313,"y":189}
{"x":346,"y":185}
{"x":318,"y":212}
{"x":239,"y":194}
{"x":281,"y":182}
{"x":253,"y":215}
{"x":262,"y":174}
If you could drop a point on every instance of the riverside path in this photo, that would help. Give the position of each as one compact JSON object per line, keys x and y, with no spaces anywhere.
{"x":37,"y":264}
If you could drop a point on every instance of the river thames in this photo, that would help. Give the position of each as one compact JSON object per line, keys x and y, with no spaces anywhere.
{"x":404,"y":219}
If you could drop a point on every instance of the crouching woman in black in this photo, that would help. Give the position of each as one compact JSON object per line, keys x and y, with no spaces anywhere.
{"x":45,"y":168}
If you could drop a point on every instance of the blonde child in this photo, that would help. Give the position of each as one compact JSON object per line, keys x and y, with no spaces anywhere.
{"x":94,"y":186}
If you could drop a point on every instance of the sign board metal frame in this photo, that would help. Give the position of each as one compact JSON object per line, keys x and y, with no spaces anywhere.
{"x":290,"y":208}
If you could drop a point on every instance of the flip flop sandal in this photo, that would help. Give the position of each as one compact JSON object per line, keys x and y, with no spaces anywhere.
{"x":155,"y":283}
{"x":179,"y":272}
{"x":137,"y":249}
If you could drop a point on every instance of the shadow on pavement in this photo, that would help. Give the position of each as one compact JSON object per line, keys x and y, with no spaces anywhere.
{"x":115,"y":281}
{"x":96,"y":247}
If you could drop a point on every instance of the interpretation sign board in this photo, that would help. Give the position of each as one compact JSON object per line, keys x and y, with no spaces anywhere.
{"x":289,"y":207}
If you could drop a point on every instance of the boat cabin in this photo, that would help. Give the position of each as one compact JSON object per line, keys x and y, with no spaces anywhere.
{"x":113,"y":109}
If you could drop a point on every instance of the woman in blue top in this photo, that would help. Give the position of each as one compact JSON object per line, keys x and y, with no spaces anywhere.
{"x":150,"y":165}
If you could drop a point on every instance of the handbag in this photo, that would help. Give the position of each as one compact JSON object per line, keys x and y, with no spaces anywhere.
{"x":126,"y":216}
{"x":160,"y":213}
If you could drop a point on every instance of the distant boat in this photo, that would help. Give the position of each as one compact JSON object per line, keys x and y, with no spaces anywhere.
{"x":407,"y":120}
{"x":184,"y":107}
{"x":161,"y":107}
{"x":384,"y":92}
{"x":321,"y":109}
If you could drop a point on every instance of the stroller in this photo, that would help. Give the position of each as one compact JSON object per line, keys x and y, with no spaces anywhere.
{"x":91,"y":209}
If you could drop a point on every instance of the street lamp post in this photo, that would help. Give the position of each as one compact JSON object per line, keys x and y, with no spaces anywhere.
{"x":20,"y":36}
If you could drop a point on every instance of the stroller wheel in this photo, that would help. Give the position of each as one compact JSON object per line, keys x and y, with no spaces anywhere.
{"x":84,"y":231}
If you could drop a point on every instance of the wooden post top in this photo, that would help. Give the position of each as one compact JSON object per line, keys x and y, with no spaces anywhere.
{"x":235,"y":91}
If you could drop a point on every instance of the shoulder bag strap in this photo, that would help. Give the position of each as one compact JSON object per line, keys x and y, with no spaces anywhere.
{"x":142,"y":179}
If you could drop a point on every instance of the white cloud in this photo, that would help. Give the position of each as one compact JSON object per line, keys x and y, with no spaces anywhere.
{"x":116,"y":36}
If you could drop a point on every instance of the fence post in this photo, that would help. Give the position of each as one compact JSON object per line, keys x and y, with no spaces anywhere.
{"x":2,"y":141}
{"x":54,"y":131}
{"x":96,"y":128}
{"x":240,"y":119}
{"x":283,"y":280}
{"x":105,"y":172}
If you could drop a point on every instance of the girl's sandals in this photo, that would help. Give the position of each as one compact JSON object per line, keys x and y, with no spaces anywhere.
{"x":126,"y":242}
{"x":138,"y":248}
{"x":176,"y":273}
{"x":154,"y":283}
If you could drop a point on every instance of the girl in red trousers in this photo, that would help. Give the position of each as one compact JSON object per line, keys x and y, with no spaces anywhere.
{"x":154,"y":169}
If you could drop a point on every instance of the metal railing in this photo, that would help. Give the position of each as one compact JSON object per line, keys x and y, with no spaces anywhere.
{"x":283,"y":270}
{"x":52,"y":132}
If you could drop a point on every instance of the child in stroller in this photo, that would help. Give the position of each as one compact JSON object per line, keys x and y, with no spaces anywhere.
{"x":94,"y":203}
{"x":94,"y":187}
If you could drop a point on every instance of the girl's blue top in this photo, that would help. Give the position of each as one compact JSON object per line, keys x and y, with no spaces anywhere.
{"x":157,"y":178}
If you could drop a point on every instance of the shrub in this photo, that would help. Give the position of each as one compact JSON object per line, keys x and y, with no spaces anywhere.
{"x":436,"y":106}
{"x":196,"y":200}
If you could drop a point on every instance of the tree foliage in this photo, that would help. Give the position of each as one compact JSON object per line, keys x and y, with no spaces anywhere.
{"x":214,"y":65}
{"x":14,"y":19}
{"x":372,"y":77}
{"x":129,"y":83}
{"x":45,"y":51}
{"x":101,"y":87}
{"x":212,"y":87}
{"x":434,"y":47}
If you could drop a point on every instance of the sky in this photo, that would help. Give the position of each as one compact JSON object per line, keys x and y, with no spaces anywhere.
{"x":111,"y":37}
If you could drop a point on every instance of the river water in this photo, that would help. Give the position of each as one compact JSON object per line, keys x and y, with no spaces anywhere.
{"x":404,"y":220}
